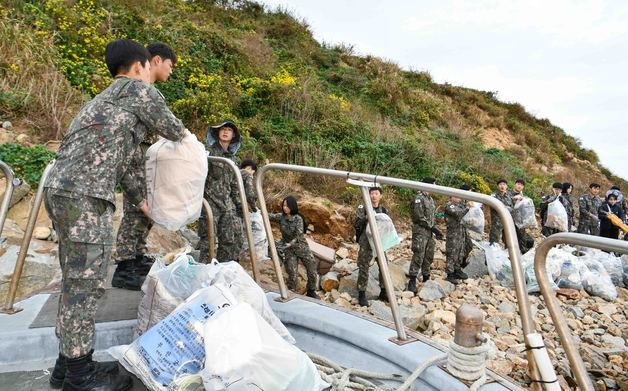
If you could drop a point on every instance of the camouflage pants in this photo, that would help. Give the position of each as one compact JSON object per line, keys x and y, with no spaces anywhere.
{"x":546,"y":231}
{"x":132,"y":234}
{"x":84,"y":226}
{"x":526,"y":241}
{"x":364,"y":262}
{"x":457,"y":249}
{"x":300,"y":251}
{"x":497,"y":229}
{"x":422,"y":252}
{"x":589,"y":227}
{"x":228,"y":231}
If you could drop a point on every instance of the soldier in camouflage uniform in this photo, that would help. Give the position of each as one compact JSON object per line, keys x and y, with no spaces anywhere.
{"x":458,"y":245}
{"x":588,"y":205}
{"x":132,"y":262}
{"x":568,"y":204}
{"x":365,"y":254}
{"x":92,"y":160}
{"x":557,"y":188}
{"x":423,"y":220}
{"x":292,"y":227}
{"x":526,"y":241}
{"x":497,"y":228}
{"x":221,"y":192}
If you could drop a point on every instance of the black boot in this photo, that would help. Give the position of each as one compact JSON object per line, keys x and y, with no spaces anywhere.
{"x":426,"y":277}
{"x":127,"y":276}
{"x":412,"y":285}
{"x":58,"y":373}
{"x":362,"y":299}
{"x":382,"y":295}
{"x":460,"y":274}
{"x":142,"y":263}
{"x":312,"y":293}
{"x":451,"y":277}
{"x":83,"y":375}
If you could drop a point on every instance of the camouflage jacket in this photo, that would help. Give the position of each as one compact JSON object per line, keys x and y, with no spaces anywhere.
{"x":454,"y":212}
{"x":506,"y":199}
{"x":96,"y":152}
{"x":423,"y":211}
{"x":589,"y":206}
{"x":291,"y":227}
{"x":568,"y":204}
{"x":221,"y":186}
{"x":361,"y":220}
{"x":249,"y":190}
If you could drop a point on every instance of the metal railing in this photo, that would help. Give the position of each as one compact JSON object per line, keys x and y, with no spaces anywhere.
{"x":553,"y":305}
{"x":8,"y":192}
{"x":245,"y":212}
{"x":510,"y":237}
{"x":26,"y":240}
{"x":211,"y":236}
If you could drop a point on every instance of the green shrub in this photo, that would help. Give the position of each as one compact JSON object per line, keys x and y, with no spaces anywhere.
{"x":28,"y":163}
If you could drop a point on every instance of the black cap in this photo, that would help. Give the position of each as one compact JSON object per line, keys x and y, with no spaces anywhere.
{"x":428,"y":179}
{"x":228,"y":123}
{"x":615,"y":188}
{"x":502,"y":180}
{"x":557,"y":185}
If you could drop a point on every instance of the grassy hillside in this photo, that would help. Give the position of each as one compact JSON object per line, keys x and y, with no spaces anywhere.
{"x":297,"y":101}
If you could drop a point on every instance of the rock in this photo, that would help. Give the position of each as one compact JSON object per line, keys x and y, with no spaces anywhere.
{"x":344,"y":267}
{"x":341,"y":301}
{"x":42,"y":233}
{"x":446,"y":317}
{"x":569,"y":293}
{"x":501,"y":366}
{"x":608,"y":309}
{"x":431,"y":291}
{"x":330,"y":281}
{"x":476,"y":266}
{"x":19,"y":192}
{"x":397,"y":275}
{"x":334,"y":294}
{"x":587,"y":320}
{"x":23,"y":139}
{"x":447,"y":286}
{"x":342,"y":252}
{"x":407,"y":295}
{"x":7,"y":125}
{"x":506,"y":307}
{"x":616,"y":342}
{"x":349,"y":284}
{"x":592,"y":355}
{"x":346,"y":296}
{"x":411,"y":316}
{"x":576,"y":311}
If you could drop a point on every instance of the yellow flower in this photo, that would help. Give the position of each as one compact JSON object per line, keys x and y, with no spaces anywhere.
{"x":14,"y":68}
{"x":283,"y":77}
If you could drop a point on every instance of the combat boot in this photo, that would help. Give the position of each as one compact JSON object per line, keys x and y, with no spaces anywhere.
{"x":142,"y":263}
{"x":426,"y":277}
{"x":451,"y":277}
{"x":460,"y":274}
{"x":83,"y":375}
{"x":58,"y":373}
{"x":412,"y":285}
{"x":382,"y":295}
{"x":362,"y":299}
{"x":312,"y":293}
{"x":127,"y":277}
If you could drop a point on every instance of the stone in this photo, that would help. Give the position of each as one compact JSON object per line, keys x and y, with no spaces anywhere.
{"x":345,"y":296}
{"x":447,"y":317}
{"x":19,"y":191}
{"x":397,"y":275}
{"x":344,"y":267}
{"x":506,"y":307}
{"x":411,"y":316}
{"x":608,"y":309}
{"x":592,"y":355}
{"x":7,"y":125}
{"x":431,"y":291}
{"x":501,"y":366}
{"x":23,"y":139}
{"x":342,"y":252}
{"x":576,"y":311}
{"x":349,"y":284}
{"x":447,"y":286}
{"x":342,"y":302}
{"x":42,"y":233}
{"x":587,"y":320}
{"x":334,"y":294}
{"x":616,"y":342}
{"x":477,"y":266}
{"x":407,"y":295}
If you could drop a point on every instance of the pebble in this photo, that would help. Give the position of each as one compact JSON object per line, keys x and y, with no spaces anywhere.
{"x":7,"y":125}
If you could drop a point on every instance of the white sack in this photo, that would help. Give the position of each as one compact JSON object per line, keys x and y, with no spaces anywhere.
{"x":524,"y":214}
{"x":387,"y":232}
{"x":259,"y":236}
{"x":474,"y":218}
{"x":556,"y":216}
{"x":175,"y":179}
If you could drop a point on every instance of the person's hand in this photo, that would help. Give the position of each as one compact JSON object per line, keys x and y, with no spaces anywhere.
{"x":469,"y":204}
{"x":517,"y":197}
{"x":144,"y":208}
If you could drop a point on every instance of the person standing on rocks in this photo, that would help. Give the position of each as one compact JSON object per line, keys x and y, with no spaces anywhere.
{"x":293,"y":227}
{"x":557,"y":189}
{"x":423,"y":232}
{"x":93,"y":159}
{"x":365,"y":254}
{"x":132,"y":262}
{"x":458,"y":244}
{"x":526,"y":241}
{"x":568,"y":204}
{"x":588,"y":205}
{"x":497,"y":227}
{"x":611,"y":205}
{"x":221,"y":192}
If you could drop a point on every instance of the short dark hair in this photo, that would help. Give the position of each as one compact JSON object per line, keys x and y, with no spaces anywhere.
{"x":162,"y":50}
{"x":615,"y":187}
{"x":502,"y":180}
{"x":566,"y":186}
{"x":521,"y":181}
{"x":592,"y":185}
{"x":376,"y":188}
{"x":120,"y":54}
{"x":248,"y":163}
{"x":428,"y":179}
{"x":611,"y":195}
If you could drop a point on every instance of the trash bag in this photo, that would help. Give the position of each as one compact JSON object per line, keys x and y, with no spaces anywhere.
{"x":624,"y":260}
{"x":387,"y":232}
{"x":570,"y":274}
{"x":474,"y":218}
{"x":246,"y":290}
{"x":174,"y":347}
{"x":612,"y":265}
{"x":175,"y":200}
{"x":244,"y":353}
{"x":498,"y":263}
{"x":556,"y":216}
{"x":524,"y":214}
{"x":596,"y":280}
{"x":259,"y":236}
{"x":552,"y":269}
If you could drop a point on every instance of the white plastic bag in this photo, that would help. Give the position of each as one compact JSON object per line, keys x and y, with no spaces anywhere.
{"x":524,"y":213}
{"x":174,"y":347}
{"x":612,"y":264}
{"x":498,"y":263}
{"x":245,"y":290}
{"x":243,"y":353}
{"x":596,"y":280}
{"x":552,"y":268}
{"x":474,"y":218}
{"x":387,"y":232}
{"x":175,"y":179}
{"x":556,"y":216}
{"x":570,"y":277}
{"x":259,"y":236}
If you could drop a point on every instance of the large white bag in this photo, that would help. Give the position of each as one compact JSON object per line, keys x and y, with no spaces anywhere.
{"x":556,"y":216}
{"x":524,"y":213}
{"x":174,"y":347}
{"x":175,"y":179}
{"x":474,"y":218}
{"x":259,"y":236}
{"x":244,"y":353}
{"x":387,"y":232}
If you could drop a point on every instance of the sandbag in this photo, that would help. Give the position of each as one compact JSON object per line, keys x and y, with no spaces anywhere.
{"x":596,"y":280}
{"x":244,"y":353}
{"x":524,"y":215}
{"x":387,"y":232}
{"x":174,"y":347}
{"x":474,"y":218}
{"x":556,"y":216}
{"x":175,"y":179}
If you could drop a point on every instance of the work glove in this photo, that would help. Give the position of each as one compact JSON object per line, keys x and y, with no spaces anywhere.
{"x":437,"y":234}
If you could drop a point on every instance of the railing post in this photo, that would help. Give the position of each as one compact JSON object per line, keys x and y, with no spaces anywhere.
{"x":211,"y":235}
{"x":8,"y":192}
{"x":553,"y":305}
{"x":28,"y":233}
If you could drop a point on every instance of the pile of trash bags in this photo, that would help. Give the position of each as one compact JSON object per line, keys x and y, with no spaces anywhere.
{"x":595,"y":271}
{"x":212,"y":325}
